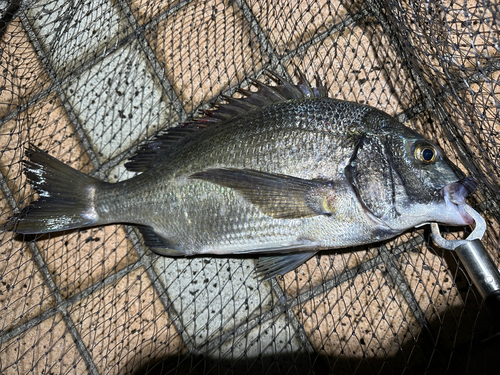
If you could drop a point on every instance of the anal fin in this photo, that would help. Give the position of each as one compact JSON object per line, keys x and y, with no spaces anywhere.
{"x":158,"y":244}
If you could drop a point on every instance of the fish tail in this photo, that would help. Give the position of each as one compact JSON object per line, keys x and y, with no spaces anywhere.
{"x":66,"y":196}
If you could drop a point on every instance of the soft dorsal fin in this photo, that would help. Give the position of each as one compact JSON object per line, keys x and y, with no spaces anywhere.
{"x":149,"y":152}
{"x":225,"y":110}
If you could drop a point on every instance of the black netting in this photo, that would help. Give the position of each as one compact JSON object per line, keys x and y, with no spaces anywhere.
{"x":89,"y":81}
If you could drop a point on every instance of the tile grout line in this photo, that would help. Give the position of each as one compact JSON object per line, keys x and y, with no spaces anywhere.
{"x":146,"y":262}
{"x":336,"y":28}
{"x":49,"y":282}
{"x":488,"y":68}
{"x":162,"y":16}
{"x":261,"y":36}
{"x":19,"y":330}
{"x":68,"y":302}
{"x":395,"y":276}
{"x":4,"y":187}
{"x":291,"y":317}
{"x":150,"y":55}
{"x":23,"y":107}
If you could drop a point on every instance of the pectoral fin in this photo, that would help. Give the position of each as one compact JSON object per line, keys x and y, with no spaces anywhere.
{"x":271,"y":266}
{"x":276,"y":195}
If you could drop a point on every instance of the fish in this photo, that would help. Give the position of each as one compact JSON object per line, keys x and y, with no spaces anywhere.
{"x":281,"y":172}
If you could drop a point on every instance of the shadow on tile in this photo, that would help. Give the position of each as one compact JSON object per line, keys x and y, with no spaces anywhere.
{"x":424,"y":355}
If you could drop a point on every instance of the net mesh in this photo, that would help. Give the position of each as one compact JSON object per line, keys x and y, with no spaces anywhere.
{"x":89,"y":81}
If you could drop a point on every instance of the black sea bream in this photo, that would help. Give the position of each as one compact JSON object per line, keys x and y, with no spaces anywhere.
{"x":284,"y":171}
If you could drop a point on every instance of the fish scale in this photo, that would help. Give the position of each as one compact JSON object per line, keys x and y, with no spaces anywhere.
{"x":283,"y":172}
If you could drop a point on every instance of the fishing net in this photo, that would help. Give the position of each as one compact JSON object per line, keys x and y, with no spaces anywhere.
{"x":90,"y":81}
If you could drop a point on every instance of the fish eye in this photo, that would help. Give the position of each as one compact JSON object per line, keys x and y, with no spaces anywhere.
{"x":425,"y":153}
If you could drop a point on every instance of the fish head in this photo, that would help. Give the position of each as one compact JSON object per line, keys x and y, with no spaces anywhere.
{"x":405,"y":180}
{"x":431,"y":186}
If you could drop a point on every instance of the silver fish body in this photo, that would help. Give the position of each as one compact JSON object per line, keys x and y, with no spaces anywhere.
{"x":288,"y":176}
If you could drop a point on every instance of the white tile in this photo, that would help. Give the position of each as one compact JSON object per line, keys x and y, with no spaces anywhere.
{"x":74,"y":32}
{"x":215,"y":295}
{"x":273,"y":337}
{"x":119,"y":102}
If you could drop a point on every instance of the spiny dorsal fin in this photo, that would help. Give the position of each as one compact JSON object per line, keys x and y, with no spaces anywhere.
{"x":224,"y":111}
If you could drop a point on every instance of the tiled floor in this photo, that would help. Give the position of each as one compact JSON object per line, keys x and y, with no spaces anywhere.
{"x":22,"y":75}
{"x":90,"y":81}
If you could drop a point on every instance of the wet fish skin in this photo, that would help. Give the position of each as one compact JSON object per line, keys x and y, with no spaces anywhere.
{"x":292,"y":177}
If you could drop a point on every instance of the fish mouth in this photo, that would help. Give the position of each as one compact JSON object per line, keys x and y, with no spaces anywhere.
{"x":454,"y":195}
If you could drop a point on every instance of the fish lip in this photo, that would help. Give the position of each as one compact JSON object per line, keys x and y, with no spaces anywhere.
{"x":454,"y":195}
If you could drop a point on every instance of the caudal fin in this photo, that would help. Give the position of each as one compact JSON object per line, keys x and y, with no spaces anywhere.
{"x":65,"y":200}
